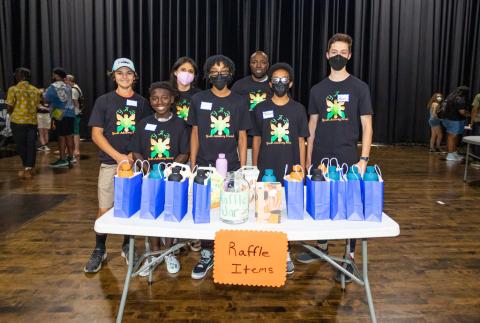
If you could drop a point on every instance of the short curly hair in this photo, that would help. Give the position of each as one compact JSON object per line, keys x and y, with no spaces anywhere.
{"x":163,"y":85}
{"x":217,"y":59}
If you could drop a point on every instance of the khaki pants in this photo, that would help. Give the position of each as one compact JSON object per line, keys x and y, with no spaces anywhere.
{"x":106,"y":186}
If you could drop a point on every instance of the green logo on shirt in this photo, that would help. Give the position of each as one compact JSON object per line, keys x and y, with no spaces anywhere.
{"x":183,"y":106}
{"x":160,"y":145}
{"x":125,"y":121}
{"x":279,"y":130}
{"x":335,"y":108}
{"x":256,"y":97}
{"x":220,"y":122}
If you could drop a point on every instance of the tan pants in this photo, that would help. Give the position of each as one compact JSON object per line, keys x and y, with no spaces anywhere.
{"x":106,"y":186}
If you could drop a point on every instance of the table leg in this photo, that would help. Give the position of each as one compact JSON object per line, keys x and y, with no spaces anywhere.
{"x":131,"y":261}
{"x":345,"y":257}
{"x":366,"y":282}
{"x":466,"y":163}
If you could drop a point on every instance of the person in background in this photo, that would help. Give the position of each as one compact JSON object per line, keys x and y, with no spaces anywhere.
{"x":44,"y":125}
{"x":78,"y":102}
{"x":475,"y":124}
{"x":22,"y":101}
{"x":183,"y":77}
{"x":59,"y":97}
{"x":434,"y":122}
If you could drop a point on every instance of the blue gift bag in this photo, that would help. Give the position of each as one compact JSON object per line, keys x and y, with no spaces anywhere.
{"x":294,"y":196}
{"x":201,"y":202}
{"x":354,"y":200}
{"x":176,"y":200}
{"x":153,"y":198}
{"x":373,"y":198}
{"x":341,"y":210}
{"x":127,"y":195}
{"x":319,"y":199}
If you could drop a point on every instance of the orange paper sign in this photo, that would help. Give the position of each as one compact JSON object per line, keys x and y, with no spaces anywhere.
{"x":255,"y":258}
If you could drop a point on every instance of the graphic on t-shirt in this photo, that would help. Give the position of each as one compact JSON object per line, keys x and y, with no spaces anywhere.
{"x":125,"y":121}
{"x":256,"y":97}
{"x":183,"y":106}
{"x":220,"y":123}
{"x":279,"y":130}
{"x":160,"y":145}
{"x":335,"y":108}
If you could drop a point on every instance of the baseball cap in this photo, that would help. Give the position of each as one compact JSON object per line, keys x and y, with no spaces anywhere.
{"x":123,"y":62}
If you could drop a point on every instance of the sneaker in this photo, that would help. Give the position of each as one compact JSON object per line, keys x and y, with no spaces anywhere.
{"x":307,"y":257}
{"x":146,"y":271}
{"x":94,"y":264}
{"x":290,"y":265}
{"x":124,"y":253}
{"x":41,"y":148}
{"x":338,"y":274}
{"x":45,"y":148}
{"x":475,"y":164}
{"x":59,"y":163}
{"x":204,"y":265}
{"x":196,"y":245}
{"x":72,"y":160}
{"x":453,"y":157}
{"x":173,"y":266}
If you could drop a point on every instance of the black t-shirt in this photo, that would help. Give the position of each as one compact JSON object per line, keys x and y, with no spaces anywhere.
{"x":219,"y":120}
{"x":339,"y":106}
{"x":183,"y":103}
{"x":118,"y":116}
{"x":456,"y":104}
{"x":279,"y":128}
{"x":256,"y":92}
{"x":159,"y":141}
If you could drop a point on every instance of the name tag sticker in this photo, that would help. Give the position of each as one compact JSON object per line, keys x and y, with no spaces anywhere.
{"x":150,"y":127}
{"x":268,"y":114}
{"x":343,"y":97}
{"x":132,"y":103}
{"x":206,"y":106}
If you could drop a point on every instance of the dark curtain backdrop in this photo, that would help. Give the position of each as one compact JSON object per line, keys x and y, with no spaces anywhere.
{"x":405,"y":50}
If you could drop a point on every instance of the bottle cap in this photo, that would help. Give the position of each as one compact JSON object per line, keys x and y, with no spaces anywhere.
{"x":221,"y":156}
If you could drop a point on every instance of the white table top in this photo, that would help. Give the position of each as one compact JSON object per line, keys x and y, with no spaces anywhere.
{"x":474,"y":140}
{"x":296,"y":230}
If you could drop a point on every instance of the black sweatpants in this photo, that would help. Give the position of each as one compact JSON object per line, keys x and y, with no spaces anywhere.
{"x":25,"y":137}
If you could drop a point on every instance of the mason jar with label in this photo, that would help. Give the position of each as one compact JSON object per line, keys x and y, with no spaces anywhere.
{"x":234,"y":199}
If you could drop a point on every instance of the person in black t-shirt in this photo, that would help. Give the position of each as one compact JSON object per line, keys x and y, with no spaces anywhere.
{"x":183,"y":76}
{"x":114,"y":120}
{"x":218,"y":117}
{"x":280,"y":128}
{"x":338,"y":106}
{"x":254,"y":88}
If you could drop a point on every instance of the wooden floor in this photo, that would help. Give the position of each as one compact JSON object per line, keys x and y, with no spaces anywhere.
{"x":430,"y":273}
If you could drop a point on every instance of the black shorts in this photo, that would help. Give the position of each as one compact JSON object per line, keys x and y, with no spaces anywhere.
{"x":64,"y":127}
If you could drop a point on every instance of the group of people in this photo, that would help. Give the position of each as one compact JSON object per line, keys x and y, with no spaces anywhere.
{"x":181,"y":123}
{"x":35,"y":110}
{"x":452,"y":112}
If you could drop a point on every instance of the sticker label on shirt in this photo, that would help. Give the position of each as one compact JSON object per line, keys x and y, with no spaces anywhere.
{"x":343,"y":98}
{"x":268,"y":114}
{"x":206,"y":106}
{"x":131,"y":103}
{"x":150,"y":127}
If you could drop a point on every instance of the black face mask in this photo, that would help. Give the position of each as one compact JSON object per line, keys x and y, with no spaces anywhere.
{"x":280,"y":89}
{"x":220,"y":81}
{"x":337,"y":62}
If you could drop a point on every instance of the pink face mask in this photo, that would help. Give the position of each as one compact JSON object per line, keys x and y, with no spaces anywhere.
{"x":185,"y":78}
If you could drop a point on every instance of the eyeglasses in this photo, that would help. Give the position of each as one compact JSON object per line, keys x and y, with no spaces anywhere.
{"x":278,"y":80}
{"x":214,"y":74}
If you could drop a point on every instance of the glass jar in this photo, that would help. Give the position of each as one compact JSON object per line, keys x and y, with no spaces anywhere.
{"x":234,"y":199}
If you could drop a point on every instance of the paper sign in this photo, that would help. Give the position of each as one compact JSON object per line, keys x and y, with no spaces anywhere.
{"x":254,"y":258}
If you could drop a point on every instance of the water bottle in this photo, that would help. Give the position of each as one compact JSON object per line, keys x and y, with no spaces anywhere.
{"x":268,"y":176}
{"x":371,"y":174}
{"x":353,"y":174}
{"x":156,"y":172}
{"x":175,"y":176}
{"x":317,"y":175}
{"x":221,"y":164}
{"x":201,"y":177}
{"x":333,"y":174}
